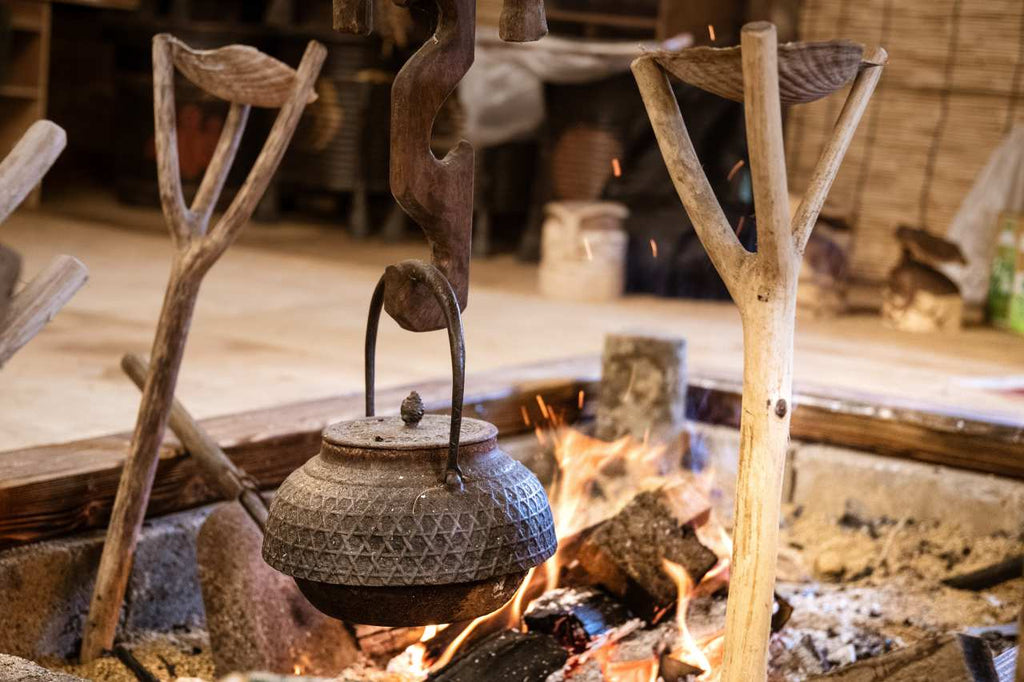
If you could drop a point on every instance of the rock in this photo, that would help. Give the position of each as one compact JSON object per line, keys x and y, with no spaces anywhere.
{"x":643,"y":387}
{"x":14,"y":669}
{"x":256,"y":617}
{"x":48,"y":584}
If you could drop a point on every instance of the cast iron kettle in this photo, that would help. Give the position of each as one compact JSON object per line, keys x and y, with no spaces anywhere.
{"x":414,"y":520}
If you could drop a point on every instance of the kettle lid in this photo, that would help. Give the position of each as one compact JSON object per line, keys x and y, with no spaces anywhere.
{"x":392,"y":433}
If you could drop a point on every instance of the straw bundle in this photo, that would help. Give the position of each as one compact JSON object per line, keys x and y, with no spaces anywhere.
{"x":951,"y":92}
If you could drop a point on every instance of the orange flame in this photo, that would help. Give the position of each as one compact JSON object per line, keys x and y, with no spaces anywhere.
{"x":688,"y":649}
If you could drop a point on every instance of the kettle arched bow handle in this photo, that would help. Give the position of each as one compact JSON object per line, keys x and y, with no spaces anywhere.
{"x":437,"y":283}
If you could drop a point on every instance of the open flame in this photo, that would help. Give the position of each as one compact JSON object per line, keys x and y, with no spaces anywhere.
{"x":594,"y":480}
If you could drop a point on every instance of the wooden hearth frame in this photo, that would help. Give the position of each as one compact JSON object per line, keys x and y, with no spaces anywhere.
{"x":55,"y":490}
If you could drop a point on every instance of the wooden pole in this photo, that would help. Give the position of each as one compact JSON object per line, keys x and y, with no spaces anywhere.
{"x":217,"y":467}
{"x":763,"y":286}
{"x":243,"y":76}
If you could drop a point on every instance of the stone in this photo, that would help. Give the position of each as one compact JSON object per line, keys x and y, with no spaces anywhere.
{"x":14,"y":669}
{"x":256,"y":616}
{"x":643,"y":387}
{"x":49,"y":584}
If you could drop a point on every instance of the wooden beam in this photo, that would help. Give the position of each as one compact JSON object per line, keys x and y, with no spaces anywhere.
{"x":55,"y":490}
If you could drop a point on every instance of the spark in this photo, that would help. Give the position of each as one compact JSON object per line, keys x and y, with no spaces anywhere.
{"x":586,"y":247}
{"x":580,"y":398}
{"x":654,"y":248}
{"x":526,"y":415}
{"x":735,"y":169}
{"x":616,"y":168}
{"x":711,"y":32}
{"x":543,"y":407}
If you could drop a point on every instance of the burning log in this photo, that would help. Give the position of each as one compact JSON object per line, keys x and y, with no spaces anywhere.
{"x":625,"y":554}
{"x":959,"y":658}
{"x":575,"y":617}
{"x":507,"y":656}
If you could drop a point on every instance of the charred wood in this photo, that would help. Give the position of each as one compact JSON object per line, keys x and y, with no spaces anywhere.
{"x":507,"y":656}
{"x":575,"y":617}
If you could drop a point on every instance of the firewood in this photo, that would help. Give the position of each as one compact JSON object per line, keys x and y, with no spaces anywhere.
{"x":237,"y":74}
{"x":950,"y":658}
{"x":507,"y":656}
{"x":625,"y":554}
{"x":763,"y":285}
{"x":574,"y":617}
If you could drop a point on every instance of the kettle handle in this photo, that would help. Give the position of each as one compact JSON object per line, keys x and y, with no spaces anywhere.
{"x":415,"y":270}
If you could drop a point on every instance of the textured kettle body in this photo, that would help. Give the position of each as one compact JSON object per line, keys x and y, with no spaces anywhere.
{"x":383,"y":516}
{"x":372,"y":510}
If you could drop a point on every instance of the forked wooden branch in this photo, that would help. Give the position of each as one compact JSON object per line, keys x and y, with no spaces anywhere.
{"x":24,"y":314}
{"x":246,"y":78}
{"x":763,"y":285}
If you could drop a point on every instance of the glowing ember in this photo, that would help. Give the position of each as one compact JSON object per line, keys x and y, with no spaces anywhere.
{"x":579,"y":399}
{"x":616,"y":168}
{"x":739,"y":226}
{"x":526,"y":415}
{"x":654,"y":248}
{"x":711,"y":32}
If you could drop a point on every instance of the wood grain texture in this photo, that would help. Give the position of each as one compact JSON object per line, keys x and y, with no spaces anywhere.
{"x":522,"y":21}
{"x":231,"y":73}
{"x":807,"y":71}
{"x":239,"y":74}
{"x":436,"y":193}
{"x":763,"y":285}
{"x":24,"y":167}
{"x":353,"y":16}
{"x":38,"y":302}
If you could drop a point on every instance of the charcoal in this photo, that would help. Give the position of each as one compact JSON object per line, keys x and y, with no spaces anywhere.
{"x":575,"y":617}
{"x":507,"y":656}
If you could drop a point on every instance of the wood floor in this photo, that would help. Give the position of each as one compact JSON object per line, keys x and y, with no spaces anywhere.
{"x":281,"y":318}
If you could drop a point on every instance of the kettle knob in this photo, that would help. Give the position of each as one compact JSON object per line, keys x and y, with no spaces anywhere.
{"x":412,"y":409}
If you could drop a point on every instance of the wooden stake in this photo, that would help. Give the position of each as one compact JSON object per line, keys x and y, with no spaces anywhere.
{"x":763,"y":285}
{"x":244,"y":77}
{"x":220,"y":472}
